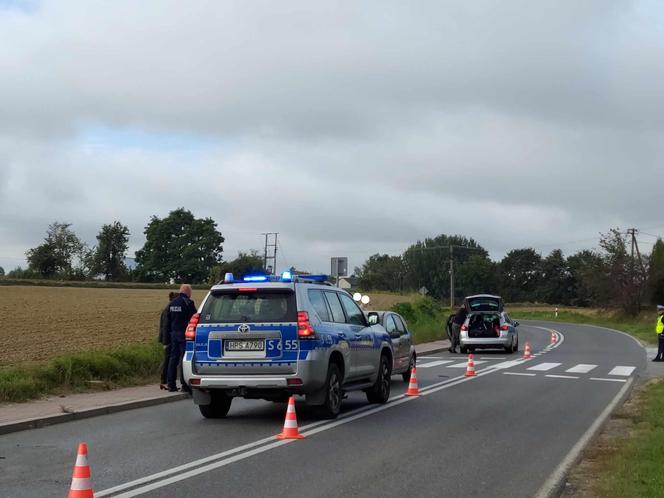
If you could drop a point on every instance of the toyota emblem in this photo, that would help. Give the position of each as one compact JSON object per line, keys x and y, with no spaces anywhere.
{"x":244,"y":328}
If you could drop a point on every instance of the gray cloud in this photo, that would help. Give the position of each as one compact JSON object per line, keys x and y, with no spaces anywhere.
{"x":350,"y":128}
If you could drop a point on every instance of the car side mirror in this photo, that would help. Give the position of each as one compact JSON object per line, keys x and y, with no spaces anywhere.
{"x":372,"y":318}
{"x":516,"y":324}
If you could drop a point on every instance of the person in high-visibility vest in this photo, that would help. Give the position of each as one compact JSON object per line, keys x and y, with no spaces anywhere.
{"x":660,"y":333}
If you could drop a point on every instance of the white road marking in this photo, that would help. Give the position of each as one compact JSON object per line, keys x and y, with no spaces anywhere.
{"x":562,"y":376}
{"x":491,"y":358}
{"x":622,"y":371}
{"x":521,"y":374}
{"x":549,"y":488}
{"x":544,"y":367}
{"x":240,"y":453}
{"x":581,"y":368}
{"x":464,"y":364}
{"x":428,"y":357}
{"x":435,"y":363}
{"x":608,"y":380}
{"x":508,"y":364}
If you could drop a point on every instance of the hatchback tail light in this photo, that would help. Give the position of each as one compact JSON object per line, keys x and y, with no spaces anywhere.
{"x":304,"y":328}
{"x":504,"y":328}
{"x":464,"y":327}
{"x":190,"y":333}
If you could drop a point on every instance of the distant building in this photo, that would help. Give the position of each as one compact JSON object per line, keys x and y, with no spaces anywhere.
{"x":348,"y":283}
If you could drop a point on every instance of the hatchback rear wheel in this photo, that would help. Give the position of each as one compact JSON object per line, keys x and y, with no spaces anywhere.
{"x":380,"y":392}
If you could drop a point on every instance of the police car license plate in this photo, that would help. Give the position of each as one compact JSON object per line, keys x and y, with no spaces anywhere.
{"x":245,"y":345}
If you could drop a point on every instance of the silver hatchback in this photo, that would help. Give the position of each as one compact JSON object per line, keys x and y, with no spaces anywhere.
{"x":487,"y":325}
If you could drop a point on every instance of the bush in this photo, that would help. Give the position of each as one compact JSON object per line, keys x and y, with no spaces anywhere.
{"x":426,"y":319}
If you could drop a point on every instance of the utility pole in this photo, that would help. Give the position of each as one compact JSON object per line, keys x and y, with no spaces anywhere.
{"x":635,"y":247}
{"x":451,"y":277}
{"x":270,"y":255}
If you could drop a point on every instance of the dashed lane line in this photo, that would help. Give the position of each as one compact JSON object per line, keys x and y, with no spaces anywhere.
{"x":520,"y":374}
{"x":608,"y":380}
{"x":562,"y":376}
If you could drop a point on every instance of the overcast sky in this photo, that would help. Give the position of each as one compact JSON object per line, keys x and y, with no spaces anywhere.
{"x":348,"y":127}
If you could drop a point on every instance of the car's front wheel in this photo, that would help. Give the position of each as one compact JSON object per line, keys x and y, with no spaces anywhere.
{"x":218,"y":407}
{"x":380,"y":392}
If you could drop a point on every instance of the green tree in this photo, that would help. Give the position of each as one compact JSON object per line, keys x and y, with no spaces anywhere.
{"x":381,"y":272}
{"x":108,"y":257}
{"x":246,"y":263}
{"x":179,"y":247}
{"x":56,"y":256}
{"x":477,"y":275}
{"x":2,"y":272}
{"x":557,"y":285}
{"x":588,"y":278}
{"x":426,"y":263}
{"x":520,"y":275}
{"x":656,"y":273}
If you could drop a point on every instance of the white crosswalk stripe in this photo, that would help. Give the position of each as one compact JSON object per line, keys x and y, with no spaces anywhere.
{"x":544,"y":367}
{"x":464,"y":364}
{"x":581,"y":368}
{"x":435,"y":363}
{"x":622,"y":371}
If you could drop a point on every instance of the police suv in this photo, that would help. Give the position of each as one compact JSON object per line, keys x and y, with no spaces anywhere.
{"x":267,"y":338}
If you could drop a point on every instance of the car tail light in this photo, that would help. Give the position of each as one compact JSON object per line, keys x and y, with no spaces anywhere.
{"x":504,"y":328}
{"x":195,"y":382}
{"x":304,"y":328}
{"x":294,"y":382}
{"x":247,"y":289}
{"x":190,"y":333}
{"x":464,"y":327}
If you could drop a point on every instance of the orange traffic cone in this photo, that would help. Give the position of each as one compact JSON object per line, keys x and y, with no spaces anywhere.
{"x":470,"y":369}
{"x":81,"y":486}
{"x":413,"y":390}
{"x":526,"y":352}
{"x":290,"y":424}
{"x":554,"y":338}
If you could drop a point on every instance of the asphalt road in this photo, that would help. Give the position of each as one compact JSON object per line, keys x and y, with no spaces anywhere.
{"x":499,"y":434}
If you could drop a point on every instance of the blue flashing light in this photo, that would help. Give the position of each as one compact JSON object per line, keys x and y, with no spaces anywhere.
{"x":255,"y":278}
{"x":286,"y":276}
{"x":316,"y":278}
{"x":229,"y":278}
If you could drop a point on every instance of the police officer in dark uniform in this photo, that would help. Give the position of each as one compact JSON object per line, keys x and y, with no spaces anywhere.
{"x":457,"y":322}
{"x":165,"y":341}
{"x":180,"y":311}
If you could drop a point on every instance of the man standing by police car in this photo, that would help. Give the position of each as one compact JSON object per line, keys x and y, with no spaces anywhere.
{"x":180,"y":311}
{"x":659,"y":328}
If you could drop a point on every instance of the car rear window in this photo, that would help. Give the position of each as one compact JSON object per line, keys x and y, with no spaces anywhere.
{"x":261,"y":306}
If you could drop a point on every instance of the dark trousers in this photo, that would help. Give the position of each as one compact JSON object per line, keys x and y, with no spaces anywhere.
{"x":175,"y":361}
{"x":163,"y":368}
{"x":456,"y":330}
{"x":660,"y":347}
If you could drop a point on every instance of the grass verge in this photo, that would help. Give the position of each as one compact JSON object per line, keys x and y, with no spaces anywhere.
{"x":133,"y":364}
{"x":642,"y":327}
{"x":628,"y":458}
{"x":426,"y":319}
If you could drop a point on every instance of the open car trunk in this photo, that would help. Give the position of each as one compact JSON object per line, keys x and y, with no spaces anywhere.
{"x":484,"y":325}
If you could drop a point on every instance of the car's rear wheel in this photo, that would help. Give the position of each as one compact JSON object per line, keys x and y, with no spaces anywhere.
{"x":411,"y":365}
{"x":511,"y":348}
{"x":218,"y":407}
{"x":333,"y":392}
{"x":380,"y":392}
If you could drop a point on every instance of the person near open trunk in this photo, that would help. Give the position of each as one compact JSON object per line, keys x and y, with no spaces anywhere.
{"x":459,"y":319}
